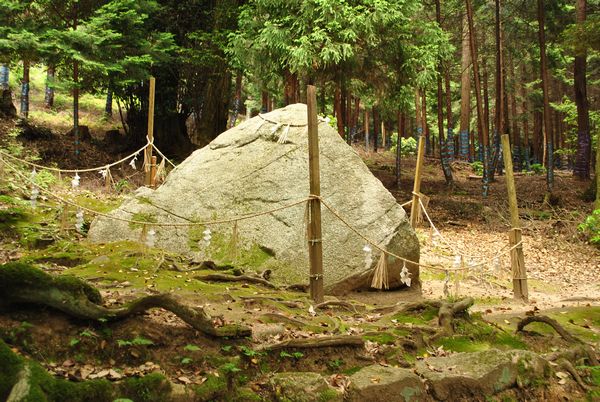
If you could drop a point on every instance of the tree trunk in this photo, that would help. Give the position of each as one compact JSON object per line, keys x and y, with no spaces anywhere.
{"x":450,"y":132}
{"x":76,"y":90}
{"x":401,"y":130}
{"x":49,"y":91}
{"x":109,"y":101}
{"x":354,"y":119}
{"x":237,"y":100}
{"x":525,"y":117}
{"x":264,"y":102}
{"x":4,"y":75}
{"x":500,"y":121}
{"x":339,"y":110}
{"x":481,"y":125}
{"x":376,"y":126}
{"x":444,"y":154}
{"x":25,"y":90}
{"x":584,"y":143}
{"x":428,"y":144}
{"x":418,"y":117}
{"x":291,"y":86}
{"x":366,"y":122}
{"x":516,"y":135}
{"x":549,"y":160}
{"x":465,"y":93}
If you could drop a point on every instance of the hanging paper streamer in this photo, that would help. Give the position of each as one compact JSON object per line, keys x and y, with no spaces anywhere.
{"x":75,"y":181}
{"x":79,"y":220}
{"x":33,"y":175}
{"x":103,"y":173}
{"x":436,"y":238}
{"x":150,"y":238}
{"x":405,"y":275}
{"x":368,"y":256}
{"x":35,"y":192}
{"x":132,"y":162}
{"x":207,"y":237}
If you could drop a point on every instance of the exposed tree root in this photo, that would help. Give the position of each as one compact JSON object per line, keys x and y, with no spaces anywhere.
{"x":234,"y":278}
{"x":20,"y":391}
{"x":448,"y":311}
{"x":353,"y":308}
{"x":568,"y":366}
{"x":260,"y":299}
{"x":551,"y":322}
{"x":575,"y":355}
{"x":284,"y":319}
{"x":22,"y":283}
{"x":315,"y":343}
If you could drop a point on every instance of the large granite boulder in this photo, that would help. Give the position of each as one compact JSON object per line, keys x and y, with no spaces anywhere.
{"x":260,"y":165}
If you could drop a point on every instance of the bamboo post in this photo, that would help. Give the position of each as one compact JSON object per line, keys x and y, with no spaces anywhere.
{"x":148,"y":153}
{"x":415,"y":207}
{"x":153,"y":172}
{"x":315,"y":244}
{"x":517,"y":259}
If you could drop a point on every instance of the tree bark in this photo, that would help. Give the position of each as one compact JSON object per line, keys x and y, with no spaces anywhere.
{"x":500,"y":115}
{"x":109,"y":101}
{"x":49,"y":91}
{"x":525,"y":118}
{"x":429,"y":147}
{"x":444,"y":157}
{"x":465,"y":92}
{"x":237,"y":100}
{"x":401,"y":130}
{"x":366,"y":122}
{"x":291,"y":86}
{"x":584,"y":143}
{"x":482,"y":128}
{"x":376,"y":127}
{"x":549,"y":159}
{"x":339,"y":110}
{"x":25,"y":90}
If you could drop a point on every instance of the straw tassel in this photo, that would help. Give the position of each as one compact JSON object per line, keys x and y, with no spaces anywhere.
{"x":380,"y":275}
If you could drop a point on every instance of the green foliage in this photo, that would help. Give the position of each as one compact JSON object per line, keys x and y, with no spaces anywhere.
{"x":591,"y":227}
{"x":137,"y":341}
{"x":191,"y":348}
{"x":294,"y":355}
{"x":408,"y":146}
{"x":538,"y":168}
{"x":477,"y":167}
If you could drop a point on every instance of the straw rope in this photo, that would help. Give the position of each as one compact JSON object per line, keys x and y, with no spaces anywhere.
{"x":157,"y":224}
{"x":254,"y":215}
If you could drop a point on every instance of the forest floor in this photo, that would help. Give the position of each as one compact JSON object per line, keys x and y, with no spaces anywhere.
{"x":381,"y":329}
{"x":562,"y":268}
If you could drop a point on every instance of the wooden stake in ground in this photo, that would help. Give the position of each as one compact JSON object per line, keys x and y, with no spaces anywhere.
{"x":315,"y":244}
{"x":415,"y":206}
{"x":517,"y":259}
{"x":153,"y":165}
{"x":148,"y":153}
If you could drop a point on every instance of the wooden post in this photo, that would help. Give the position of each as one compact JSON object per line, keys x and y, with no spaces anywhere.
{"x":153,"y":172}
{"x":148,"y":153}
{"x":107,"y":183}
{"x":315,"y":244}
{"x":415,"y":206}
{"x":517,"y":259}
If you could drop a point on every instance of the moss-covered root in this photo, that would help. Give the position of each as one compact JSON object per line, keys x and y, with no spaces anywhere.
{"x":22,"y":380}
{"x":22,"y":283}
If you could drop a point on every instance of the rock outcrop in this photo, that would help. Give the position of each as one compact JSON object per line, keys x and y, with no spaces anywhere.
{"x":260,"y":165}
